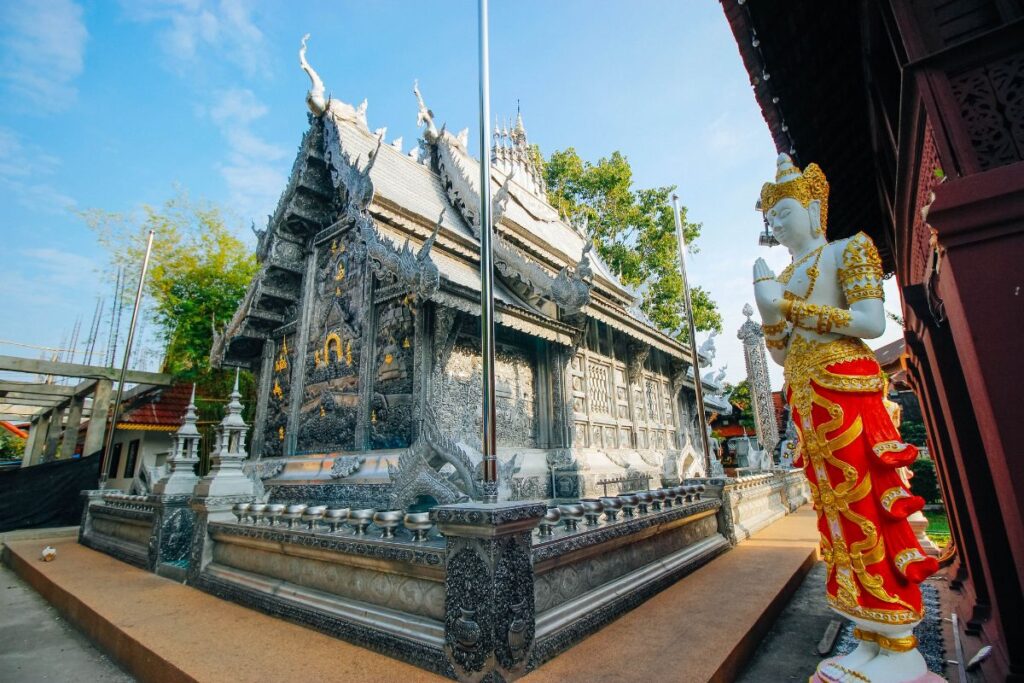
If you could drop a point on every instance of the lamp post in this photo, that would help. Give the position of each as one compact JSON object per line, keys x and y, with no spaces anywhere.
{"x":698,"y":389}
{"x":490,"y":440}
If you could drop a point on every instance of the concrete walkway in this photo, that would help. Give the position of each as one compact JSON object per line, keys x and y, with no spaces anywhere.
{"x":37,"y":644}
{"x":703,"y":628}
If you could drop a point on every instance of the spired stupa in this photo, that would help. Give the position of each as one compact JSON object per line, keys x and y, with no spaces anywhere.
{"x":362,"y":326}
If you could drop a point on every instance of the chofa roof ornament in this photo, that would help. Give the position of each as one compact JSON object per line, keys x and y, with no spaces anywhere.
{"x":315,"y":96}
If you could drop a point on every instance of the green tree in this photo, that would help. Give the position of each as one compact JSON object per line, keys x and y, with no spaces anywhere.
{"x":925,"y":483}
{"x":739,"y":397}
{"x":633,"y":231}
{"x":199,"y":272}
{"x":11,"y":447}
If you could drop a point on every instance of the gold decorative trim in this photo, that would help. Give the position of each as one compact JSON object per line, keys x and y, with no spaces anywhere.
{"x":889,"y":447}
{"x":907,"y":556}
{"x":890,"y":497}
{"x":135,"y":427}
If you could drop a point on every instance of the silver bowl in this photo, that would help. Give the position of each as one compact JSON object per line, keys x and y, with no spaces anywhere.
{"x":678,"y":494}
{"x":670,"y":497}
{"x":700,"y":490}
{"x":360,"y":519}
{"x":629,"y":501}
{"x":241,"y":511}
{"x":689,"y":493}
{"x":419,"y":524}
{"x":293,"y":513}
{"x":335,"y":516}
{"x":657,"y":497}
{"x":612,"y":505}
{"x":388,"y":520}
{"x":273,"y":512}
{"x":313,"y":514}
{"x":644,"y":500}
{"x":572,"y":513}
{"x":256,"y":511}
{"x":592,"y":509}
{"x":549,"y":521}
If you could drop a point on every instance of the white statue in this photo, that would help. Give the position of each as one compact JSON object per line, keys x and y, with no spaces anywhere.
{"x":707,"y":350}
{"x":814,"y":316}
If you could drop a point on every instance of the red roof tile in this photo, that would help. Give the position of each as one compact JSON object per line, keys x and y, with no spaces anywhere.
{"x":158,"y":407}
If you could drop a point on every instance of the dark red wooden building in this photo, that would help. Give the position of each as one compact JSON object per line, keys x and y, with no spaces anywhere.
{"x":915,"y":111}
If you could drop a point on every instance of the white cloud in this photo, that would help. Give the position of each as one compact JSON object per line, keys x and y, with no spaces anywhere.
{"x":195,"y":29}
{"x":43,"y":50}
{"x":253,"y":170}
{"x":23,"y":169}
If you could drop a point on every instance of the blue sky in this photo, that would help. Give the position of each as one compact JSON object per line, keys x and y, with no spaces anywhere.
{"x":112,"y":104}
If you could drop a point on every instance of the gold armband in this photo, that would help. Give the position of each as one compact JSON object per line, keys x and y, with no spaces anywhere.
{"x":776,"y":343}
{"x":775,"y":329}
{"x":766,"y":278}
{"x":821,"y":319}
{"x":786,"y":309}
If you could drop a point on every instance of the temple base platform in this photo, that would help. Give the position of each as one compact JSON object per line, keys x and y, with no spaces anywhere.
{"x":159,"y":629}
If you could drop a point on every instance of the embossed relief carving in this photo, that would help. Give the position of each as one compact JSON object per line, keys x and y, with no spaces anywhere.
{"x":457,"y":395}
{"x":564,"y":583}
{"x":469,"y":631}
{"x":277,"y":403}
{"x":991,"y":99}
{"x":391,"y":406}
{"x":921,"y":248}
{"x":513,"y":581}
{"x":331,"y":394}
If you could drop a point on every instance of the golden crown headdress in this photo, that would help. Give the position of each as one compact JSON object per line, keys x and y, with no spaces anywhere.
{"x":790,"y":182}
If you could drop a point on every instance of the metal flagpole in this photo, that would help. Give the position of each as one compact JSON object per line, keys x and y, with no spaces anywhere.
{"x":124,"y":364}
{"x":698,"y":388}
{"x":490,"y":440}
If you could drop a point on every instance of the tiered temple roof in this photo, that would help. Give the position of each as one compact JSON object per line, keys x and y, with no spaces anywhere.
{"x":548,"y":277}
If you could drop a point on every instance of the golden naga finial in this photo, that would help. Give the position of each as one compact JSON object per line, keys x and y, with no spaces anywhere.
{"x":811,"y":185}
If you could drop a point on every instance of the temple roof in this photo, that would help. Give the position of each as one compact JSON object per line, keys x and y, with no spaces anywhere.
{"x":806,"y":67}
{"x":416,"y":214}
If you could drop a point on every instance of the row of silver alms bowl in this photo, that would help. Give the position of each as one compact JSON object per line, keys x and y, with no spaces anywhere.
{"x":126,"y":499}
{"x":630,"y":504}
{"x":313,"y":516}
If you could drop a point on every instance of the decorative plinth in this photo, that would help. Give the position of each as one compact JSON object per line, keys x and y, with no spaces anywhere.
{"x":489,"y":588}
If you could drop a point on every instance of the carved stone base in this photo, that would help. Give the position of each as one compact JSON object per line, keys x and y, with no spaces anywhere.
{"x":489,"y":588}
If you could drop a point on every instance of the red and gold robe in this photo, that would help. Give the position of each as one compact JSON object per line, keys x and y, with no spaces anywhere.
{"x":851,"y":452}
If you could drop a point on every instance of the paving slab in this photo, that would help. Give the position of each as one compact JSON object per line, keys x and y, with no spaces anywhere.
{"x":703,"y":628}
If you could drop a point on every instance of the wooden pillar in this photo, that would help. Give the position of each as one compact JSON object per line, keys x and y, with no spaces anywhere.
{"x":54,"y":432}
{"x":67,"y":446}
{"x":40,"y":429}
{"x":30,"y":443}
{"x":98,"y":421}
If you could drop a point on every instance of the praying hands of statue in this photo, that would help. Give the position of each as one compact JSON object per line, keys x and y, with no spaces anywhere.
{"x":767,"y":293}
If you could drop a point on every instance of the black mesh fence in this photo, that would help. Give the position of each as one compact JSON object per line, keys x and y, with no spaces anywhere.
{"x":46,"y":495}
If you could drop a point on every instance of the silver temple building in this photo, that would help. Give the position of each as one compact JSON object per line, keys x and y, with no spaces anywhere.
{"x":362,"y":326}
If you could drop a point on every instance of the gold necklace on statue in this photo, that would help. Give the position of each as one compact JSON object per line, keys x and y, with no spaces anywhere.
{"x":812,"y":274}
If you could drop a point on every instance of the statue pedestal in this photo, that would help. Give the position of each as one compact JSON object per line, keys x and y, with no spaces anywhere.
{"x":919,"y":523}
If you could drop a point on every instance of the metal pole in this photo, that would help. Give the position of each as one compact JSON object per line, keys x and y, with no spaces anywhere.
{"x":698,"y":388}
{"x":490,"y":440}
{"x":124,"y":364}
